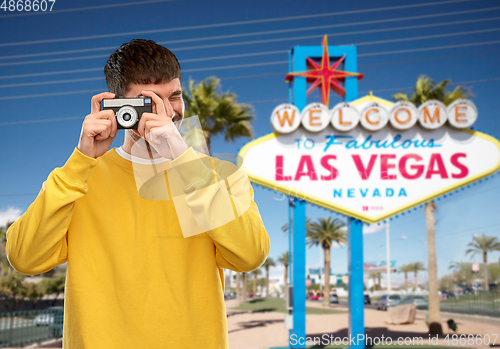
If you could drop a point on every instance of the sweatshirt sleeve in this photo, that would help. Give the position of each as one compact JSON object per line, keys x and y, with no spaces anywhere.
{"x":221,"y":201}
{"x":37,"y":241}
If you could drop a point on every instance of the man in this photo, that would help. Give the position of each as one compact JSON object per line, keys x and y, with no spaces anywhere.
{"x":134,"y":280}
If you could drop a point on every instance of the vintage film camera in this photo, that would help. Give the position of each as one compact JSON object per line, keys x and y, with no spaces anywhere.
{"x":128,"y":111}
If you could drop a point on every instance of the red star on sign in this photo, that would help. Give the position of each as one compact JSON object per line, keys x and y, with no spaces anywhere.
{"x":324,"y":75}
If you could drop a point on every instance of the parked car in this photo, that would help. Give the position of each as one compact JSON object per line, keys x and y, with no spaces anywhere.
{"x":419,"y":301}
{"x":367,"y":299}
{"x":446,"y":295}
{"x":44,"y":319}
{"x":317,"y":297}
{"x":334,"y":298}
{"x":387,"y":301}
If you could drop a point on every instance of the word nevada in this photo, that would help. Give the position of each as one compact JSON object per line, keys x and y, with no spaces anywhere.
{"x":373,"y":116}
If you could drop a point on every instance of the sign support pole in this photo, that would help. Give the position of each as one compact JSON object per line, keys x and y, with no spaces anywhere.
{"x":356,"y":283}
{"x":291,"y":204}
{"x":388,"y":257}
{"x":299,"y":272}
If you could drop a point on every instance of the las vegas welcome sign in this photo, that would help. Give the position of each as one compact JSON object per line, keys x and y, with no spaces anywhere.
{"x":371,"y":159}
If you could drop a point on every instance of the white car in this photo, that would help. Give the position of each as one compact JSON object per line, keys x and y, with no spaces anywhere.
{"x":44,"y":319}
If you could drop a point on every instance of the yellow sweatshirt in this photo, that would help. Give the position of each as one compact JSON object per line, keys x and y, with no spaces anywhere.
{"x":133,"y":279}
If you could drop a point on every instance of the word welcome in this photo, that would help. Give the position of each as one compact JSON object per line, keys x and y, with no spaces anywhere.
{"x":373,"y":116}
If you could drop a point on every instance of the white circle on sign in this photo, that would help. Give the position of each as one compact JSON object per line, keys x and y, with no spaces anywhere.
{"x":344,"y":117}
{"x":374,"y":117}
{"x":462,"y":113}
{"x":432,"y":114}
{"x":315,"y":117}
{"x":285,"y":118}
{"x":403,"y":115}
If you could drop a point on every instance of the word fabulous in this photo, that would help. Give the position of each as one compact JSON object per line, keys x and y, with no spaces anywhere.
{"x":373,"y":116}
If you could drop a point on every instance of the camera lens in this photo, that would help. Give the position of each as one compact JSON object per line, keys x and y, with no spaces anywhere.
{"x":127,"y":117}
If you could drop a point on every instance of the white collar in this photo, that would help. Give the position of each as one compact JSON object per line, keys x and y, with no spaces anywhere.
{"x":138,"y":160}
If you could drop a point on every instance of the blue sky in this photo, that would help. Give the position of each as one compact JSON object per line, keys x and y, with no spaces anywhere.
{"x":52,"y":63}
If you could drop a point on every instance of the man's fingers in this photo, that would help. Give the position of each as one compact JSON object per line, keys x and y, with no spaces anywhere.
{"x":107,"y":115}
{"x":158,"y":102}
{"x":97,"y":99}
{"x":99,"y":129}
{"x":170,"y":110}
{"x":104,"y":114}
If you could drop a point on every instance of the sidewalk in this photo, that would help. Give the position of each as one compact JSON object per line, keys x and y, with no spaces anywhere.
{"x":265,"y":330}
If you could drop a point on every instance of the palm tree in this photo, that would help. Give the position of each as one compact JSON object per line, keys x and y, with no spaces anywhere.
{"x":244,"y":295}
{"x":482,"y":245}
{"x":4,"y":262}
{"x":462,"y":272}
{"x":426,"y":89}
{"x":284,"y":260}
{"x":267,"y":264}
{"x":434,"y":321}
{"x":255,"y":274}
{"x":405,"y":269}
{"x":324,"y":233}
{"x":261,"y":282}
{"x":238,"y":284}
{"x":376,"y":276}
{"x":415,"y":268}
{"x":218,"y":113}
{"x":284,"y":228}
{"x":494,"y":272}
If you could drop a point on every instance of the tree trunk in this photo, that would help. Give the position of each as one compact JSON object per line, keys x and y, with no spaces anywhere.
{"x":267,"y":281}
{"x":244,"y":287}
{"x":255,"y":285}
{"x":285,"y":292}
{"x":326,"y":292}
{"x":207,"y":139}
{"x":406,"y":281}
{"x":238,"y":288}
{"x":435,"y":326}
{"x":486,"y":281}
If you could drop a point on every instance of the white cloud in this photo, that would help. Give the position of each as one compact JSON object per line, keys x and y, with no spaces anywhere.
{"x":9,"y":215}
{"x":373,"y":228}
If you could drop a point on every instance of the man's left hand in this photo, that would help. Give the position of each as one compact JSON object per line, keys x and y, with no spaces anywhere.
{"x":158,"y":129}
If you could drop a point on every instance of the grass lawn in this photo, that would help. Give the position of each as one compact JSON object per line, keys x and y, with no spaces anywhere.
{"x":278,"y":305}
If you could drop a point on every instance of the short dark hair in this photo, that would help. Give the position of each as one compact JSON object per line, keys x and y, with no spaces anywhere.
{"x":140,"y":61}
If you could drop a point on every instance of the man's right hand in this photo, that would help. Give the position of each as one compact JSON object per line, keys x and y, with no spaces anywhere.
{"x":98,"y":129}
